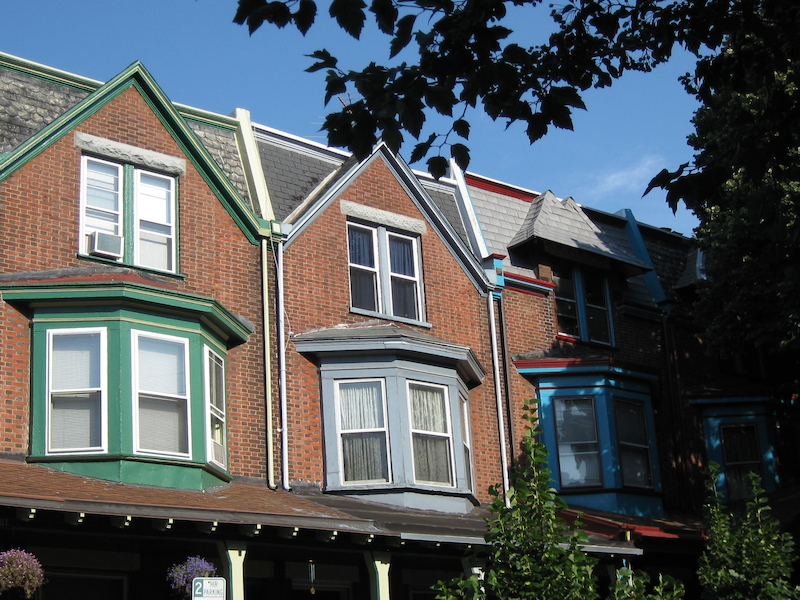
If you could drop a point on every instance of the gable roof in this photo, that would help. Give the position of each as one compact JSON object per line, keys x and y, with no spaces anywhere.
{"x":63,"y":115}
{"x":321,"y":191}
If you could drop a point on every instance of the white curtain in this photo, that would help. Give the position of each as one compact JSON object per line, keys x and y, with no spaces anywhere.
{"x":362,"y":423}
{"x":431,"y":452}
{"x":578,"y":454}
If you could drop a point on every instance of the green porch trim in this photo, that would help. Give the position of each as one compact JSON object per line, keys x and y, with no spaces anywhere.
{"x":138,"y":77}
{"x":60,"y":294}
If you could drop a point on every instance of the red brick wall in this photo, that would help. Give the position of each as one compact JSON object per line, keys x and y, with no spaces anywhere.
{"x":39,"y":231}
{"x":317,"y":295}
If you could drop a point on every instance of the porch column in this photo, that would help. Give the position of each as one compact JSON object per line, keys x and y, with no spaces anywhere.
{"x":379,"y":574}
{"x":236,"y":552}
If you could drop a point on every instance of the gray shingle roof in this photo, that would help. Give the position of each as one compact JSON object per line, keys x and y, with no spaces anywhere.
{"x":28,"y":104}
{"x":293,"y":168}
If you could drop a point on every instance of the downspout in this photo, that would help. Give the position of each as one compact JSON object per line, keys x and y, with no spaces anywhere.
{"x":282,"y":371}
{"x":498,"y":397}
{"x":512,"y":438}
{"x":267,"y":364}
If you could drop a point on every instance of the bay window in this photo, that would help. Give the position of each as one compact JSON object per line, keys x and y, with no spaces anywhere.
{"x":364,"y":436}
{"x":430,"y":434}
{"x":634,"y":443}
{"x":215,"y":406}
{"x":578,"y":449}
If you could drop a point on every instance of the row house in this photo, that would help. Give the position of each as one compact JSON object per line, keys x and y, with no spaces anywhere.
{"x":223,"y":340}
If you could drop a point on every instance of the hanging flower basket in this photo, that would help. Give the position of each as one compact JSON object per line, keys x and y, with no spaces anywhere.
{"x":180,"y":576}
{"x":20,"y":571}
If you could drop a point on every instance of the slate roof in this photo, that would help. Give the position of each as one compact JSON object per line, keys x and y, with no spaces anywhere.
{"x":29,"y":103}
{"x":293,"y":167}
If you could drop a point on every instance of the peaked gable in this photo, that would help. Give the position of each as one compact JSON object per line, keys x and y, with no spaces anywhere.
{"x":138,"y":78}
{"x":336,"y":184}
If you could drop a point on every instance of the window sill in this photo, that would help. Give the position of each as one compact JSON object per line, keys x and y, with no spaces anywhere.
{"x":378,"y":315}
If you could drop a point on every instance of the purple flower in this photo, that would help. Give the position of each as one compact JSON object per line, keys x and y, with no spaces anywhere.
{"x":20,"y":569}
{"x":180,"y":576}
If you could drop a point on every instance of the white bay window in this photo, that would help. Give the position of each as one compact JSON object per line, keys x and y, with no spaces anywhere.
{"x":430,"y":432}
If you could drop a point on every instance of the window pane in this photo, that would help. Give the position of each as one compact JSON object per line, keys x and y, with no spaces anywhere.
{"x":631,"y":423}
{"x":155,"y":250}
{"x":75,"y":421}
{"x":162,"y":366}
{"x":740,"y":448}
{"x":578,"y":455}
{"x":154,"y":201}
{"x":364,"y":456}
{"x":102,"y":221}
{"x":594,"y":288}
{"x":362,"y":250}
{"x":404,"y":298}
{"x":361,"y":405}
{"x":428,"y":409}
{"x":565,"y":286}
{"x":598,"y":324}
{"x":163,"y":425}
{"x":216,"y":382}
{"x":432,"y":459}
{"x":102,"y":185}
{"x":75,"y":362}
{"x":401,"y":256}
{"x":635,"y":463}
{"x":363,"y":289}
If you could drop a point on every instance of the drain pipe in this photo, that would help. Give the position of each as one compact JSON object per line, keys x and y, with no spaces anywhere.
{"x":282,"y":370}
{"x":267,"y":364}
{"x":498,"y":398}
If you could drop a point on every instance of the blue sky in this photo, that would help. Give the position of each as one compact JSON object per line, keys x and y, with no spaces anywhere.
{"x":200,"y":58}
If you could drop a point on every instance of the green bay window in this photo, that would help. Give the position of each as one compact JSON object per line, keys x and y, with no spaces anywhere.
{"x":124,"y":391}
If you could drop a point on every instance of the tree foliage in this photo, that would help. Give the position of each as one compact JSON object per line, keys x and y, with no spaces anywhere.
{"x":532,"y":554}
{"x":459,"y":54}
{"x":744,"y":182}
{"x":747,"y":557}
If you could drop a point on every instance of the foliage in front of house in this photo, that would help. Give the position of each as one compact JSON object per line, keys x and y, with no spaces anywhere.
{"x":747,"y":557}
{"x":533,"y":554}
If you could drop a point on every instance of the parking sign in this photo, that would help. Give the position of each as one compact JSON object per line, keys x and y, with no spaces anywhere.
{"x":208,"y":587}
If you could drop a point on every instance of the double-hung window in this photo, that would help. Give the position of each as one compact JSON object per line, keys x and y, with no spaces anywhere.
{"x":76,"y":383}
{"x":384,"y":271}
{"x":161,"y":394}
{"x":742,"y":457}
{"x":128,"y":214}
{"x":430,"y":434}
{"x":578,"y":447}
{"x":215,"y":407}
{"x":634,"y":443}
{"x":363,"y":432}
{"x":582,"y":304}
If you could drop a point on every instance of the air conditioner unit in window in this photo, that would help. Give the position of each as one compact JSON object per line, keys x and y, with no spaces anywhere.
{"x":105,"y":244}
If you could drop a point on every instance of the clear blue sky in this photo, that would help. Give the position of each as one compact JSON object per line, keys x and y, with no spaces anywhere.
{"x":200,"y":58}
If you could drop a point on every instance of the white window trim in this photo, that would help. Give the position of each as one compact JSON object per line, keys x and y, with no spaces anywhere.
{"x":384,"y":274}
{"x":135,"y":336}
{"x":340,"y":432}
{"x":137,"y":245}
{"x":85,"y":229}
{"x":449,"y":435}
{"x":125,"y":201}
{"x":103,"y":448}
{"x":466,"y":440}
{"x":213,"y":411}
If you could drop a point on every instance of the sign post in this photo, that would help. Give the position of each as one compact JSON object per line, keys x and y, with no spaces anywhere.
{"x":209,"y":587}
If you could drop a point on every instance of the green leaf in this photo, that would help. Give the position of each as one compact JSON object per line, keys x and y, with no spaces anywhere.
{"x":461,"y":127}
{"x":460,"y":154}
{"x":402,"y":35}
{"x":421,"y":149}
{"x":437,"y":166}
{"x":385,"y":12}
{"x":305,"y":15}
{"x":326,"y":61}
{"x":349,"y":15}
{"x":335,"y":85}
